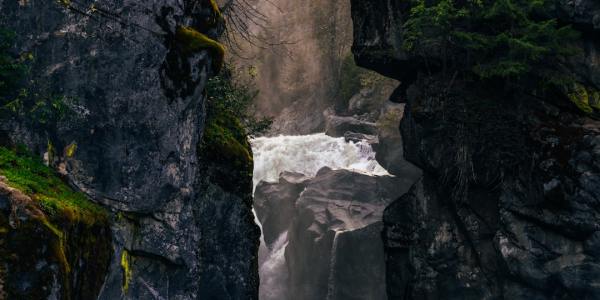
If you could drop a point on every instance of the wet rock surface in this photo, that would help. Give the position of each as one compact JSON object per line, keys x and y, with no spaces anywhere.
{"x":338,"y":126}
{"x":507,"y":205}
{"x":275,"y":204}
{"x":334,"y":221}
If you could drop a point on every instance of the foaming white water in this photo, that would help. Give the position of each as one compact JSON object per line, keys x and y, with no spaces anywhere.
{"x":273,"y":272}
{"x":307,"y":154}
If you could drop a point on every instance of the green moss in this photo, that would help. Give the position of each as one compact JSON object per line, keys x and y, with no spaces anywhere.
{"x":226,"y":151}
{"x":225,"y":135}
{"x":194,"y":41}
{"x":51,"y":151}
{"x":216,"y":11}
{"x":127,"y":272}
{"x":78,"y":246}
{"x":585,"y":98}
{"x":42,"y":184}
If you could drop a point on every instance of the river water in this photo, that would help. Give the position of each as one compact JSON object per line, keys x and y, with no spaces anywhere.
{"x":307,"y":155}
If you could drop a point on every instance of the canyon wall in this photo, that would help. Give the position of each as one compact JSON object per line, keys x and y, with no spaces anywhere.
{"x":132,"y":75}
{"x":508,"y":205}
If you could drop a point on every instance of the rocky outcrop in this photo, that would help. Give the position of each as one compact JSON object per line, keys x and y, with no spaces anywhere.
{"x":508,"y":205}
{"x":54,"y":244}
{"x":372,"y":116}
{"x":132,"y":75}
{"x":390,"y":149}
{"x":333,"y":222}
{"x":337,"y":126}
{"x":275,"y":204}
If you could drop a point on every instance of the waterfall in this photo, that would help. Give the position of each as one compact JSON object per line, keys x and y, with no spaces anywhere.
{"x":332,"y":264}
{"x":308,"y":154}
{"x":274,"y":273}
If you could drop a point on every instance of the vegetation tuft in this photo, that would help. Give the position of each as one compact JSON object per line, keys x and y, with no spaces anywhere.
{"x":56,"y":198}
{"x":234,"y":98}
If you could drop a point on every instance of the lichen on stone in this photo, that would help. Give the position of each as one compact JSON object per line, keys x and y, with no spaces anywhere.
{"x":127,"y":272}
{"x":587,"y":99}
{"x":70,"y":150}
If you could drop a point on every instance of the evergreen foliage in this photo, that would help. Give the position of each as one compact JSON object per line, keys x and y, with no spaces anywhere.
{"x":516,"y":41}
{"x":227,"y":96}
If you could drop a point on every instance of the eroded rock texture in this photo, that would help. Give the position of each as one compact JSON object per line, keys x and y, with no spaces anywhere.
{"x":134,"y":89}
{"x":333,"y":226}
{"x":508,"y":206}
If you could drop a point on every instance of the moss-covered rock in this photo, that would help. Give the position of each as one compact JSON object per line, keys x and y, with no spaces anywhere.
{"x":226,"y":151}
{"x":193,"y":41}
{"x":53,"y":241}
{"x":587,"y":99}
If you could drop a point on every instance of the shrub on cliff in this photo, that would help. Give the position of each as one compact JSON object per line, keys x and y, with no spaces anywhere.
{"x":516,"y":41}
{"x":225,"y":95}
{"x":225,"y":151}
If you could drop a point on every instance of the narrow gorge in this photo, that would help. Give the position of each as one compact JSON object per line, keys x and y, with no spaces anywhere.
{"x":299,"y":150}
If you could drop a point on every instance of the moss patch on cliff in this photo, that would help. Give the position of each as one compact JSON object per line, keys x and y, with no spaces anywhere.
{"x":217,"y":16}
{"x":55,"y":242}
{"x":226,"y":151}
{"x":193,"y":41}
{"x":585,"y":98}
{"x":56,"y":198}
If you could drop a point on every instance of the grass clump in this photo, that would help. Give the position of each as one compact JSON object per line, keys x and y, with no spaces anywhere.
{"x":56,"y":198}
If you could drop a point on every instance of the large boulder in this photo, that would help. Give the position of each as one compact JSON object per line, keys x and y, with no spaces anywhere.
{"x":329,"y":230}
{"x":275,"y":204}
{"x":337,"y":126}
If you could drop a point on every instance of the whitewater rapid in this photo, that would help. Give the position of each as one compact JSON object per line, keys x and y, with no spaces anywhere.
{"x":307,"y":154}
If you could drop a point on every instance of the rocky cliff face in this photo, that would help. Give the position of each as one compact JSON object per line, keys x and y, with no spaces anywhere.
{"x":508,"y":203}
{"x":132,"y":75}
